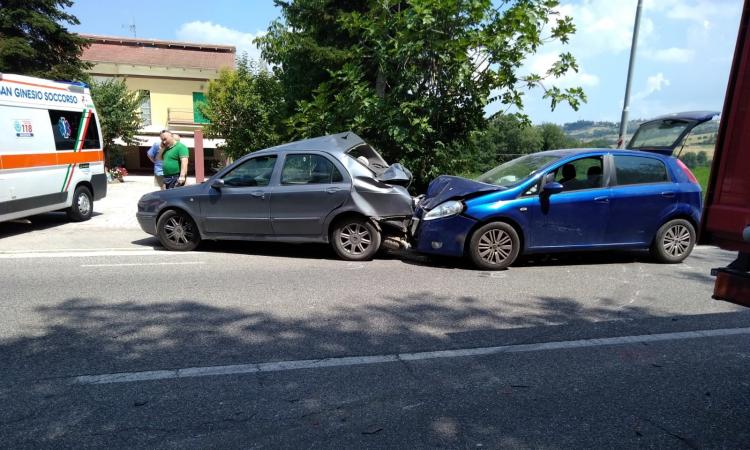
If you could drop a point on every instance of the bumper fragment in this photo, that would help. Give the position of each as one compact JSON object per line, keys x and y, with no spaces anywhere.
{"x":147,"y":221}
{"x":446,"y":236}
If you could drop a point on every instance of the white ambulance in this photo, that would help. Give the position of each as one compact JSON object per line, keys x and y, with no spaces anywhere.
{"x":50,"y":149}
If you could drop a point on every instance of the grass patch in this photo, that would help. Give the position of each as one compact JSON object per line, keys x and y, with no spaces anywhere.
{"x":701,"y":173}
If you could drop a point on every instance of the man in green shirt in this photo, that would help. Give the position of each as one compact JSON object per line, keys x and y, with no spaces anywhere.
{"x":175,"y":159}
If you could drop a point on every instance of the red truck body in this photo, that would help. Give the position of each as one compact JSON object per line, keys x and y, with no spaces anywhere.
{"x":726,"y":216}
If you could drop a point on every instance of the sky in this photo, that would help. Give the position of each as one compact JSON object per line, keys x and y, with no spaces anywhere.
{"x":684,"y":51}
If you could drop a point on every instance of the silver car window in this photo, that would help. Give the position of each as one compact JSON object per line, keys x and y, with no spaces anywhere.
{"x":309,"y":169}
{"x":253,"y":172}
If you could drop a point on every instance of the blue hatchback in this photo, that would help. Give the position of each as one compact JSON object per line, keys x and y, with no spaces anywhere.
{"x":562,"y":200}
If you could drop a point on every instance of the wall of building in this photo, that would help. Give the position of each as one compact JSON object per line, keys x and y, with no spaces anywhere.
{"x":168,"y":87}
{"x":166,"y":93}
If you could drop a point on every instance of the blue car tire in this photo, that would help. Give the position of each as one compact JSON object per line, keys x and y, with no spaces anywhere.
{"x":674,"y":241}
{"x":494,"y":246}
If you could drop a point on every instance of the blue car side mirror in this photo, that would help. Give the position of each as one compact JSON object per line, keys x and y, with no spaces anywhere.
{"x":217,"y":184}
{"x":553,"y":187}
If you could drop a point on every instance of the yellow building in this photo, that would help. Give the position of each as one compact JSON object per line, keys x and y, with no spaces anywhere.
{"x":173,"y":77}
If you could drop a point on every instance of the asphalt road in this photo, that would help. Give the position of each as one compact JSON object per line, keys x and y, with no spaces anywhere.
{"x":108,"y":341}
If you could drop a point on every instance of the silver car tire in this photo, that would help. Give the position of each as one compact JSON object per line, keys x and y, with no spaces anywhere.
{"x":494,"y":246}
{"x":355,"y":239}
{"x":674,"y":241}
{"x":177,"y":231}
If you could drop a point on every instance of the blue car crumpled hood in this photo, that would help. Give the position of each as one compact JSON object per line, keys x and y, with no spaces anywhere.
{"x":447,"y":187}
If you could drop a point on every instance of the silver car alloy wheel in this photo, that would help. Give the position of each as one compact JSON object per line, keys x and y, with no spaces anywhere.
{"x":355,"y":238}
{"x":676,"y":240}
{"x":495,"y":246}
{"x":83,"y":202}
{"x":179,"y":230}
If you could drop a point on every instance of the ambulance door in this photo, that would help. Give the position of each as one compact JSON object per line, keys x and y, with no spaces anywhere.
{"x":25,"y":138}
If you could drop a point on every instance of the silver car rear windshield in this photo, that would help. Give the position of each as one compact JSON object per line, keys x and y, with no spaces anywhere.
{"x":369,"y":158}
{"x":517,"y":170}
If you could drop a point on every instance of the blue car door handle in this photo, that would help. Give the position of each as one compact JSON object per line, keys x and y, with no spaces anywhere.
{"x":667,"y":194}
{"x":332,"y":190}
{"x":258,"y":194}
{"x":601,"y":199}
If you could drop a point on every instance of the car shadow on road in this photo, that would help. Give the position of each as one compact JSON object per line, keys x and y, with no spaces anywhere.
{"x":35,"y":223}
{"x":537,"y":260}
{"x":273,"y":249}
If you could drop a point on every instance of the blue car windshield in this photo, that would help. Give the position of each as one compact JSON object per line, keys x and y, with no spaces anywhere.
{"x":519,"y":169}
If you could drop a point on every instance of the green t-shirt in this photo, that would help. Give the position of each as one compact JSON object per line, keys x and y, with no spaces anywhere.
{"x":172,"y":157}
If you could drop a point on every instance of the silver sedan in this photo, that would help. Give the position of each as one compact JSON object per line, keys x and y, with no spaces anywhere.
{"x":333,"y":189}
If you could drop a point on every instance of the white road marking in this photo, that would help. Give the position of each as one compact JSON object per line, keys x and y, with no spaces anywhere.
{"x":127,"y":377}
{"x":81,"y":254}
{"x":58,"y":250}
{"x":185,"y":263}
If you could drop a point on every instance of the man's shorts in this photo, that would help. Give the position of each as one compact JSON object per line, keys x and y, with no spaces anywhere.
{"x":159,"y":181}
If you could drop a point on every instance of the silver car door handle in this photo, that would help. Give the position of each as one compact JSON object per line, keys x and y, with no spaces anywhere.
{"x":332,"y":190}
{"x":667,"y":194}
{"x":601,"y":199}
{"x":258,"y":194}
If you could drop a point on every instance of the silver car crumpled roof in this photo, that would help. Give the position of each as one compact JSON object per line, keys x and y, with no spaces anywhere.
{"x":333,"y":143}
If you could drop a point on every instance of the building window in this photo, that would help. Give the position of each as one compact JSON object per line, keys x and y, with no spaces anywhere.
{"x":145,"y":108}
{"x":199,"y":98}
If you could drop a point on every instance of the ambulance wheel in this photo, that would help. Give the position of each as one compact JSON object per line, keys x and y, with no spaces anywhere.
{"x":83,"y":205}
{"x":177,"y":231}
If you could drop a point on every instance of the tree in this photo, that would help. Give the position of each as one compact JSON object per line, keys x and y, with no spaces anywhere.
{"x":245,"y":106}
{"x":412,"y":77}
{"x":119,"y":114}
{"x":507,"y":136}
{"x":553,"y":137}
{"x":701,"y":159}
{"x":689,"y":159}
{"x":34,"y":40}
{"x":598,"y":143}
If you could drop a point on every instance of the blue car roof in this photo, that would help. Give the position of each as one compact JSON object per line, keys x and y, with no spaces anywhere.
{"x":567,"y":152}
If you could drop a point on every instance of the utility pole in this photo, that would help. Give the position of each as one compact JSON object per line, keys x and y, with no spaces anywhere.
{"x":626,"y":104}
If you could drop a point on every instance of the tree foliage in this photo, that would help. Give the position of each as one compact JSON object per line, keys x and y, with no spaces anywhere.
{"x":245,"y":106}
{"x":509,"y":136}
{"x":34,"y":40}
{"x":119,"y":114}
{"x":413,"y":77}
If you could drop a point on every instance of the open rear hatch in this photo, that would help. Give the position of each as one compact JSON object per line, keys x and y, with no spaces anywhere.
{"x":666,"y":133}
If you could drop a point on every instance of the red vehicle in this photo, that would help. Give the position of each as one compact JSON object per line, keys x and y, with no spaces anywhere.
{"x":726,"y":216}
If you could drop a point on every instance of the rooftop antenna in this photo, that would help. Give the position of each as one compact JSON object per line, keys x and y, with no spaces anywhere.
{"x":131,"y":27}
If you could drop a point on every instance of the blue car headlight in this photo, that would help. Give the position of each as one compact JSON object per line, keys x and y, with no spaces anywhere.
{"x":445,"y":209}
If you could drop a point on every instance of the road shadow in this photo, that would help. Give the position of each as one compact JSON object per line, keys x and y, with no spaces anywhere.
{"x":43,"y":407}
{"x":274,"y":249}
{"x":35,"y":223}
{"x":536,"y":260}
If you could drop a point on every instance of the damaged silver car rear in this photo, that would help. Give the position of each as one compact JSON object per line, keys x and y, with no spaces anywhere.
{"x":333,"y":189}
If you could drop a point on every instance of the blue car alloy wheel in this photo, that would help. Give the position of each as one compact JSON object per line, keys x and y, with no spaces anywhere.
{"x":494,"y":246}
